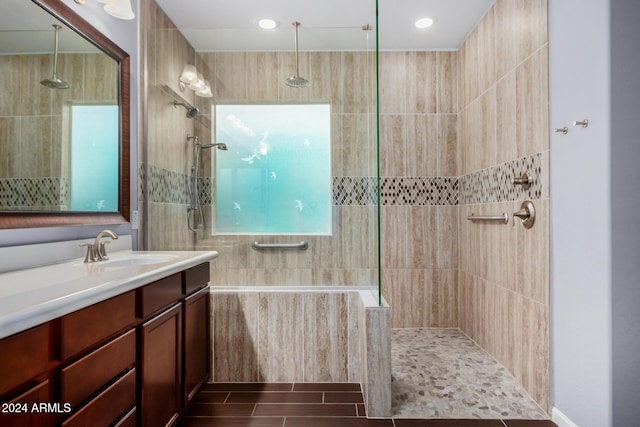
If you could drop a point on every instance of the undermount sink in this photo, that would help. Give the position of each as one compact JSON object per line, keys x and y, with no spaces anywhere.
{"x":136,"y":259}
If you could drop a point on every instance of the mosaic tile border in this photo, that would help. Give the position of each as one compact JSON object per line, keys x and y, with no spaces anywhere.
{"x":165,"y":186}
{"x":493,"y":185}
{"x":395,"y":191}
{"x":45,"y":193}
{"x":354,"y":190}
{"x":419,"y":191}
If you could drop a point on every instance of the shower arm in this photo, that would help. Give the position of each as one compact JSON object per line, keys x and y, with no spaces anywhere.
{"x":297,"y":24}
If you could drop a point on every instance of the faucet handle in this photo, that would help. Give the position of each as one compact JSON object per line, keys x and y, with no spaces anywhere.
{"x":89,"y":256}
{"x":102,"y":251}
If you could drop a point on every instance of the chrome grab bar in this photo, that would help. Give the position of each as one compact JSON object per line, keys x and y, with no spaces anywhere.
{"x":504,"y":218}
{"x":303,"y":246}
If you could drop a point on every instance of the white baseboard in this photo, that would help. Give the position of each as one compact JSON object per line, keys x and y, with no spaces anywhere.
{"x":561,"y":419}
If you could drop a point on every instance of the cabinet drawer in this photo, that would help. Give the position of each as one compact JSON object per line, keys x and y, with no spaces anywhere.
{"x":81,"y":379}
{"x":23,"y":356}
{"x":96,"y":323}
{"x":128,"y":420}
{"x":195,"y":278}
{"x":27,"y":418}
{"x":109,"y":406}
{"x":158,"y":295}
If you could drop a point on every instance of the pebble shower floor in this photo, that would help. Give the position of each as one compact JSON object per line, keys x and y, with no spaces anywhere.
{"x":442,"y":373}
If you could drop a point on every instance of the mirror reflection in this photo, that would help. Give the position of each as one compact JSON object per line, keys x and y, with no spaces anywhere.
{"x":59,"y":132}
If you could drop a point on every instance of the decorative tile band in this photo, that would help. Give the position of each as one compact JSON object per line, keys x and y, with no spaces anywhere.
{"x":165,"y":186}
{"x":493,"y":185}
{"x":489,"y":185}
{"x":34,"y":193}
{"x":355,"y":190}
{"x":419,"y":191}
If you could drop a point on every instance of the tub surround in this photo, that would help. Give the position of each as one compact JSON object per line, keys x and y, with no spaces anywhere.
{"x":36,"y":295}
{"x":303,"y":334}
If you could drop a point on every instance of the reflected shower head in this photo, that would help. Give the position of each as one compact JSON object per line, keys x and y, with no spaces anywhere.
{"x":54,"y":82}
{"x":191,"y":111}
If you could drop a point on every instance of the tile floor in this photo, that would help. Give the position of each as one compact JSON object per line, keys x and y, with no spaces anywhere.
{"x":442,"y":373}
{"x":304,"y":405}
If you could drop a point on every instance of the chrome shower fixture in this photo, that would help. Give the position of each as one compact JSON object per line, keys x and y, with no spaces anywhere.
{"x":54,"y":82}
{"x":191,"y":111}
{"x":295,"y":80}
{"x":219,"y":145}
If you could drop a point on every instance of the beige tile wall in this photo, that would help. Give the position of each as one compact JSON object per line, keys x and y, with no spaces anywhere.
{"x":31,"y":142}
{"x":285,"y":336}
{"x":164,"y":127}
{"x":503,"y":278}
{"x":349,"y":256}
{"x":418,"y":125}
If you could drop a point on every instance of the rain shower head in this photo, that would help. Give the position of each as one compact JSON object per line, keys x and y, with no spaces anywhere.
{"x":54,"y":82}
{"x":191,"y":111}
{"x":295,"y":80}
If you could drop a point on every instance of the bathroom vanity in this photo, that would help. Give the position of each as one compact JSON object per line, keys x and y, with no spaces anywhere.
{"x":123,"y":342}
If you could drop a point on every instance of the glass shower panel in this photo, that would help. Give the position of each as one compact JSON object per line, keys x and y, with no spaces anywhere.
{"x":340,"y":62}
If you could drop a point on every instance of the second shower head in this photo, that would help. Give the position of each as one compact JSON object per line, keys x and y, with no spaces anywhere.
{"x":191,"y":111}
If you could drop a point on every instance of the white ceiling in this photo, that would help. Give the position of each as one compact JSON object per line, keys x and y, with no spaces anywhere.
{"x":27,"y":28}
{"x":229,"y":25}
{"x":225,"y":25}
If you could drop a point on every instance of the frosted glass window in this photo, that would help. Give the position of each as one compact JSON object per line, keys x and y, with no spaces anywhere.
{"x":94,"y":158}
{"x":275,"y":177}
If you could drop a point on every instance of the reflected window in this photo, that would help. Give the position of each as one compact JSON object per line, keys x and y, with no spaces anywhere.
{"x":275,"y":177}
{"x":94,"y":158}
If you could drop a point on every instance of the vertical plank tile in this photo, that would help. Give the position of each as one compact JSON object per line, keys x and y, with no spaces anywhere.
{"x":280,"y":344}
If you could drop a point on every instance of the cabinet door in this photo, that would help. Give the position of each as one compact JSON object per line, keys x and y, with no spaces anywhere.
{"x":196,"y":343}
{"x":20,"y":412}
{"x":160,"y":364}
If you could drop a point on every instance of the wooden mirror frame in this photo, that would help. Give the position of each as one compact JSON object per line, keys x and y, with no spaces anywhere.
{"x":33,"y":219}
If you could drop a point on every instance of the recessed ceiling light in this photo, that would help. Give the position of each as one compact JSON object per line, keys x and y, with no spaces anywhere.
{"x":424,"y":23}
{"x":267,"y":23}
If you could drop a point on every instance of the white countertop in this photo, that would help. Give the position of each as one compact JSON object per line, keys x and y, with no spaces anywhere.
{"x":37,"y":295}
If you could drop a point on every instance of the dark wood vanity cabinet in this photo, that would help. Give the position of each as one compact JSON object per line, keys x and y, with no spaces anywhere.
{"x":134,"y":359}
{"x":196,"y":343}
{"x":161,"y":371}
{"x":173,"y":343}
{"x":97,"y":376}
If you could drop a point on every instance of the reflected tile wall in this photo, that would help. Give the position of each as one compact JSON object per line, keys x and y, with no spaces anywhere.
{"x":31,"y":118}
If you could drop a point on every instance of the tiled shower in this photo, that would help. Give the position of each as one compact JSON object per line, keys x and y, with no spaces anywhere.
{"x":455,"y":128}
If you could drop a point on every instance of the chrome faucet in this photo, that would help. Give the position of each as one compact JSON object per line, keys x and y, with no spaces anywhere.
{"x":98,"y":250}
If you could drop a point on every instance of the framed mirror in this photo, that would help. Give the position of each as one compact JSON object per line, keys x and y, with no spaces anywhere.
{"x":64,"y":119}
